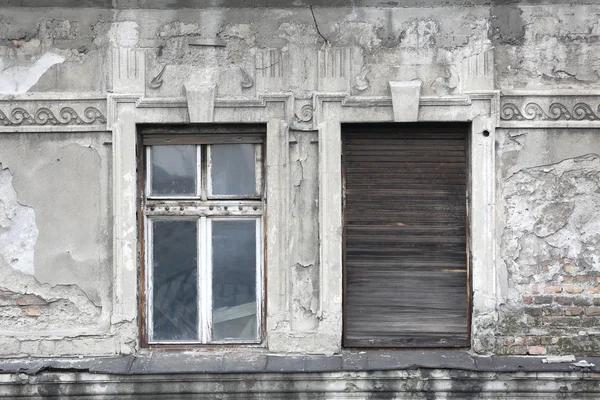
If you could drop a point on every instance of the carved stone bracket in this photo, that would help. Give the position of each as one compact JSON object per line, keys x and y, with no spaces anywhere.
{"x":405,"y":100}
{"x":201,"y":102}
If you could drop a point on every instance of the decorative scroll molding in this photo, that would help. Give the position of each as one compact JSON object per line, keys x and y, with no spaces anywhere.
{"x":45,"y":116}
{"x":53,"y":112}
{"x":556,"y":111}
{"x":546,"y":109}
{"x":306,"y":113}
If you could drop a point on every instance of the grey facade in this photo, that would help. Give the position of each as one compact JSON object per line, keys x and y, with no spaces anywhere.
{"x":76,"y":78}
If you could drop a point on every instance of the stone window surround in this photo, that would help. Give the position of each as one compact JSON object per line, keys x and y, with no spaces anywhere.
{"x":321,"y":111}
{"x":329,"y":110}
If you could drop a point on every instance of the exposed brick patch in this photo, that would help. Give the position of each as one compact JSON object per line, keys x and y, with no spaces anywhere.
{"x":594,"y":289}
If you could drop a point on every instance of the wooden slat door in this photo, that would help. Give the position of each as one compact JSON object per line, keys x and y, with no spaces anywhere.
{"x":405,"y":208}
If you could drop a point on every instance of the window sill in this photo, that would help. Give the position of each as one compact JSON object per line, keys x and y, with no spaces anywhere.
{"x":257,"y":361}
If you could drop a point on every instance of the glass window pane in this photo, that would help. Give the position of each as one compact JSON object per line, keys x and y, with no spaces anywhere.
{"x":174,"y":170}
{"x":175,"y":283}
{"x":234,"y":279}
{"x":233,"y":169}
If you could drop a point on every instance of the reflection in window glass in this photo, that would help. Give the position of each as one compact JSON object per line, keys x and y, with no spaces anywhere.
{"x":233,"y":169}
{"x":175,"y":290}
{"x":174,"y":170}
{"x":234,"y":279}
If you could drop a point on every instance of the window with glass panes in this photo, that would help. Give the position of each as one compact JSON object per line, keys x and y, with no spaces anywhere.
{"x":203,"y":225}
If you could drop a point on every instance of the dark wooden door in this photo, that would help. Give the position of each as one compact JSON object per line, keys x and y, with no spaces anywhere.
{"x":405,"y":208}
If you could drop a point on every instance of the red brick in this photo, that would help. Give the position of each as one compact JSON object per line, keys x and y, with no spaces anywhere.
{"x":582,"y":301}
{"x":585,"y":279}
{"x":532,"y":340}
{"x":527,"y":299}
{"x":519,"y":341}
{"x":30,"y":300}
{"x":594,"y":289}
{"x":564,"y":300}
{"x":542,"y":299}
{"x":573,"y":289}
{"x":546,"y":340}
{"x":553,"y":311}
{"x":562,"y":321}
{"x":515,"y":350}
{"x":552,"y":289}
{"x":33,"y":311}
{"x":573,"y":311}
{"x":536,"y":350}
{"x":592,"y":311}
{"x":592,"y":322}
{"x":569,"y":268}
{"x":533,"y":311}
{"x":533,"y":289}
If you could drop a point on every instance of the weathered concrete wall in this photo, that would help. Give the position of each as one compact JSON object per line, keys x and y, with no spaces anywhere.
{"x":550,"y":198}
{"x":549,"y":45}
{"x":55,"y":188}
{"x":56,"y":233}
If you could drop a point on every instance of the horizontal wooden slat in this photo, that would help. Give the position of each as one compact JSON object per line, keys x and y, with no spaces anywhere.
{"x":405,"y":235}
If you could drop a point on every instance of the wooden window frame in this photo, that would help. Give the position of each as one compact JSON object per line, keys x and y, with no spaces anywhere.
{"x":202,"y":207}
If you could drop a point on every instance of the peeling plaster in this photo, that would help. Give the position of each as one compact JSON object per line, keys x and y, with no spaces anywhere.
{"x":65,"y":180}
{"x":552,"y":233}
{"x":19,"y":79}
{"x":304,"y":236}
{"x":18,"y":231}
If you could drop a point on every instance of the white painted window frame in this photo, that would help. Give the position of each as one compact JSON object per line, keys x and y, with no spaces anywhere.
{"x":230,"y":209}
